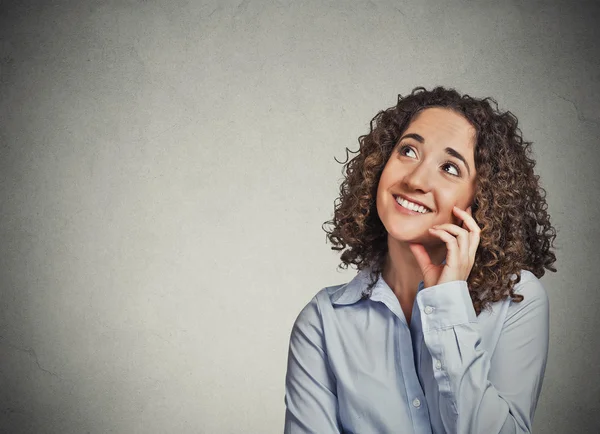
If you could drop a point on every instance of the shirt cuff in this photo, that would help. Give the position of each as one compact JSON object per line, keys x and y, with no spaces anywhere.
{"x":445,"y":305}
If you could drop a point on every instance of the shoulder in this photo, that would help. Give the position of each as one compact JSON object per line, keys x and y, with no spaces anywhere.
{"x":308,"y":328}
{"x":535,"y":297}
{"x":530,"y":287}
{"x":322,"y":302}
{"x":337,"y":295}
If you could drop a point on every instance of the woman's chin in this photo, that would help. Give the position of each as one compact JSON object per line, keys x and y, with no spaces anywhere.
{"x":415,"y":238}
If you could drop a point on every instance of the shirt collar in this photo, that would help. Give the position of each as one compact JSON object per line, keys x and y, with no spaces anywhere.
{"x":352,"y":291}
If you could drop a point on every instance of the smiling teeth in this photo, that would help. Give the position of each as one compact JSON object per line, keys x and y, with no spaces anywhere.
{"x":411,"y":206}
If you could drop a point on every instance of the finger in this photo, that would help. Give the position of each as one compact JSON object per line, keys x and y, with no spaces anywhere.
{"x":463,"y":224}
{"x":421,"y":256}
{"x":431,"y":272}
{"x":471,"y":225}
{"x":463,"y":239}
{"x":453,"y":254}
{"x":461,"y":233}
{"x":473,"y":245}
{"x":467,"y":219}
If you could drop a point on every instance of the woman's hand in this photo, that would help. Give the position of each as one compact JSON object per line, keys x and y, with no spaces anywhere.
{"x":461,"y":245}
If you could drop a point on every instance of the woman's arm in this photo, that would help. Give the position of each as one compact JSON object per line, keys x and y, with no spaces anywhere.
{"x":479,"y":394}
{"x":310,"y":390}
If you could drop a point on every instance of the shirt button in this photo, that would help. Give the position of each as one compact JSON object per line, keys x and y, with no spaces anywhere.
{"x":438,"y":364}
{"x":428,"y":309}
{"x":416,"y":402}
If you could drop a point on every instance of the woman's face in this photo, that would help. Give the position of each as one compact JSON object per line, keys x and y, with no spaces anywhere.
{"x":426,"y":166}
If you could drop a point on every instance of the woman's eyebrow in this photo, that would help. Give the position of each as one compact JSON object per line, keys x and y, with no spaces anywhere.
{"x":415,"y":136}
{"x":456,"y":154}
{"x":450,"y":151}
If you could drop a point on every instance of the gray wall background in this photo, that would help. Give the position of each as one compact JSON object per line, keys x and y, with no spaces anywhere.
{"x":166,"y":167}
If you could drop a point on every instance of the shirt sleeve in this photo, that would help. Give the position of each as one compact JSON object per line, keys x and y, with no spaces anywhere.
{"x":479,"y":393}
{"x":310,"y":390}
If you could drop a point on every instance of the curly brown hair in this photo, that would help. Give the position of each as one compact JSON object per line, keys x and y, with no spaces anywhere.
{"x":509,"y":204}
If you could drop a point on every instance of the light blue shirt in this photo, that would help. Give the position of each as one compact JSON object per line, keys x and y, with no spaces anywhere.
{"x":356,"y":366}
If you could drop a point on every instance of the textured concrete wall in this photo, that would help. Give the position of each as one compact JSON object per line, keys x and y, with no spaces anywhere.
{"x":165,"y":167}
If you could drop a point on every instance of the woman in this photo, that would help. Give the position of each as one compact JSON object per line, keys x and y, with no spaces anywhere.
{"x":445,"y":327}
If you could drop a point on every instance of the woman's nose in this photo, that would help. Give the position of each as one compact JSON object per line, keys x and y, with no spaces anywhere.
{"x":418,"y":178}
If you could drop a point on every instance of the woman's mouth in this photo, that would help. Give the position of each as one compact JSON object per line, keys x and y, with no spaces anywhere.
{"x":409,"y":207}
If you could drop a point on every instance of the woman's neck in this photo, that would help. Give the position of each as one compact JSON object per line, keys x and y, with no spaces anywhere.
{"x":402,"y":272}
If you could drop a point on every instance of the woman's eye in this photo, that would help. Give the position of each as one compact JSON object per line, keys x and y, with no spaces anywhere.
{"x":403,"y":150}
{"x":454,"y":167}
